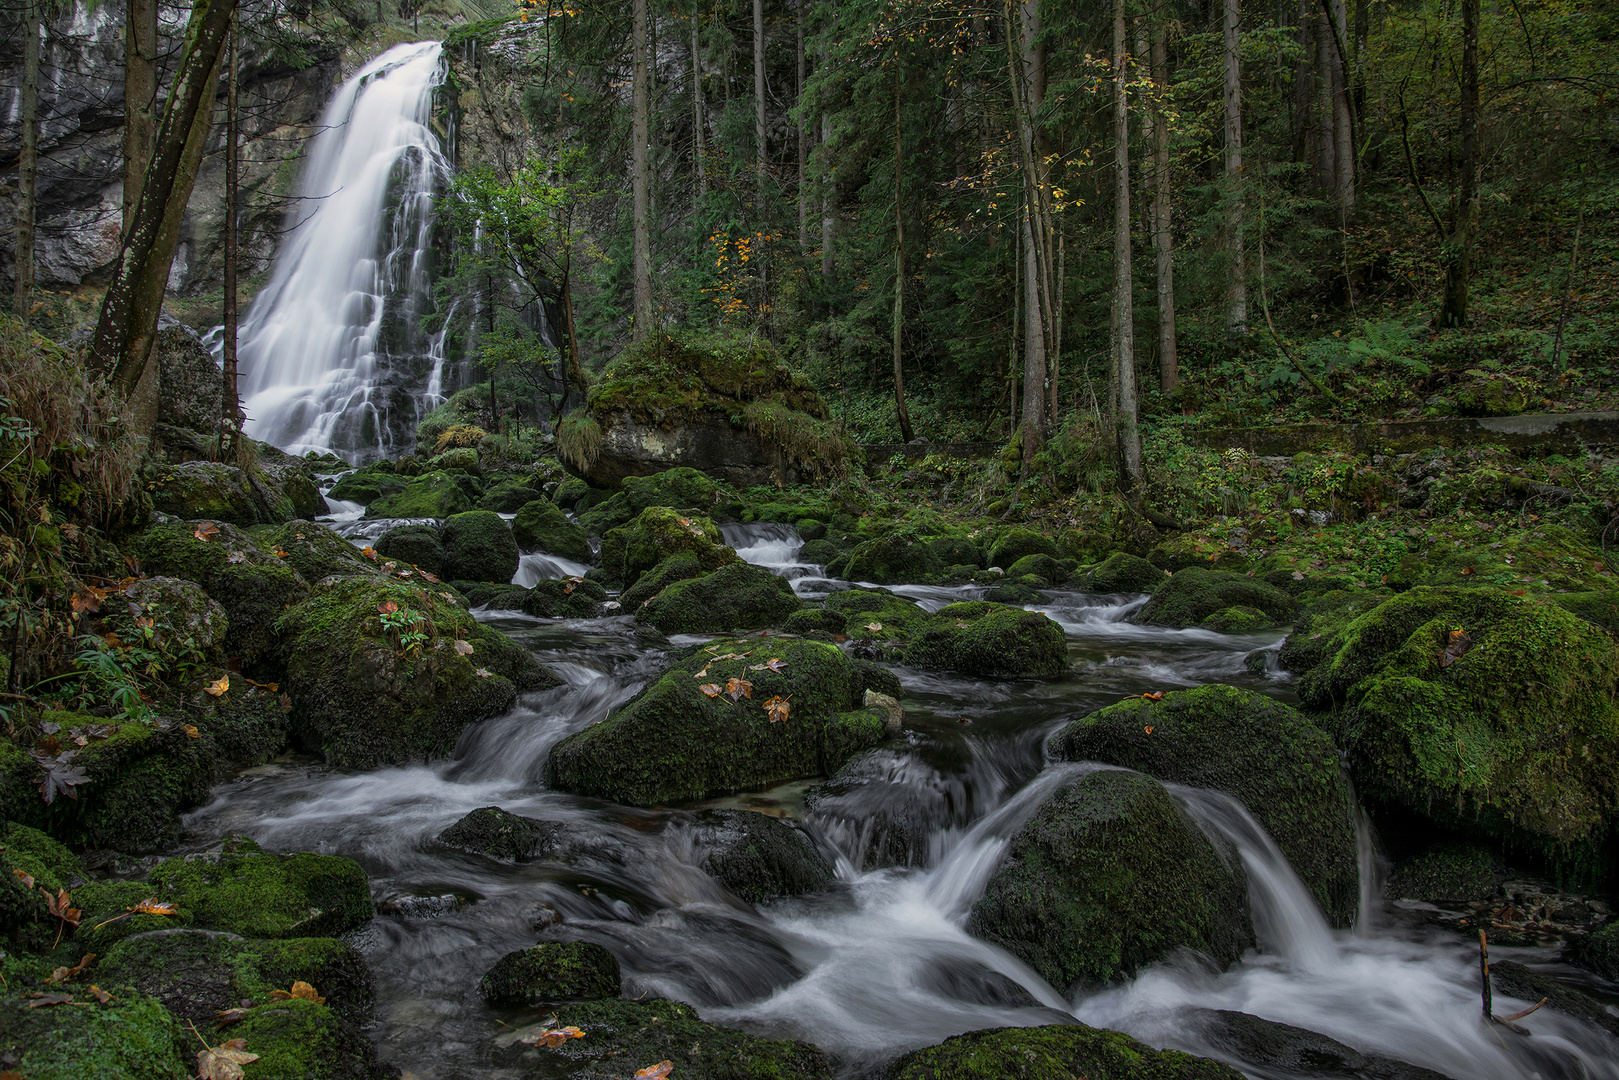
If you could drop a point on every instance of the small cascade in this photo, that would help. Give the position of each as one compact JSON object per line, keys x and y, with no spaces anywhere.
{"x":774,"y":547}
{"x":333,"y":355}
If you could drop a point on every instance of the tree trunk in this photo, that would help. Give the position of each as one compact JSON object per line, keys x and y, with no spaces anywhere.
{"x":760,"y":150}
{"x":1034,"y":350}
{"x":1458,"y":250}
{"x":1163,"y":237}
{"x":22,"y":297}
{"x":1026,"y":71}
{"x":641,"y":178}
{"x":829,"y":201}
{"x":1343,"y":125}
{"x":1326,"y":139}
{"x":140,"y":97}
{"x":1237,"y":297}
{"x":699,"y":122}
{"x":130,"y":309}
{"x":1126,"y":421}
{"x":230,"y":420}
{"x":906,"y":434}
{"x":803,"y":140}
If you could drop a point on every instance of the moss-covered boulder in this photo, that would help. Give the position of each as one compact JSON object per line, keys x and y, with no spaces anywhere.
{"x":253,"y":586}
{"x":1274,"y":760}
{"x":285,"y":486}
{"x":376,"y":676}
{"x":759,"y":857}
{"x":1198,"y":597}
{"x":995,"y":641}
{"x":551,"y":973}
{"x":541,"y":526}
{"x":366,"y":485}
{"x":298,"y":1038}
{"x":478,"y":546}
{"x":25,"y":854}
{"x":902,"y":557}
{"x":676,"y":742}
{"x":1055,"y":1052}
{"x":628,"y":1035}
{"x":436,"y":494}
{"x":1121,"y":572}
{"x":1050,"y":572}
{"x":131,"y":1037}
{"x":416,"y":545}
{"x":681,"y":567}
{"x":315,"y":551}
{"x":1014,"y":544}
{"x":1107,"y":876}
{"x":657,"y":533}
{"x":199,"y":973}
{"x":246,"y":725}
{"x":570,"y":493}
{"x":173,"y":617}
{"x":1599,"y":951}
{"x":1449,"y":872}
{"x":877,"y":614}
{"x":203,"y":489}
{"x":500,"y":835}
{"x":1482,"y":711}
{"x":257,"y":894}
{"x":508,"y":496}
{"x":734,"y":597}
{"x":815,"y":621}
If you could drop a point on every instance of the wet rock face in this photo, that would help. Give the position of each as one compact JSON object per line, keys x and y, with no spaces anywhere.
{"x":552,"y":972}
{"x":1055,"y":1052}
{"x":759,"y":857}
{"x":1297,"y":1051}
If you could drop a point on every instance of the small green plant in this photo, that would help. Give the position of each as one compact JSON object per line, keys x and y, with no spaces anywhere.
{"x":109,"y":673}
{"x":407,"y":627}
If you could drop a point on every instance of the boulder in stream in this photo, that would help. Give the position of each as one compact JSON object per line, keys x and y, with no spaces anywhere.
{"x":1216,"y":600}
{"x":314,"y":550}
{"x":1108,"y":876}
{"x":759,"y":857}
{"x":708,"y":727}
{"x":550,"y":973}
{"x":735,"y":597}
{"x":991,"y":640}
{"x":131,"y":1037}
{"x":1121,"y":572}
{"x":436,"y":494}
{"x":416,"y":545}
{"x":1053,"y":1052}
{"x":501,"y":835}
{"x":478,"y":546}
{"x":1295,"y":1051}
{"x":654,"y":535}
{"x":902,"y":557}
{"x":369,"y":483}
{"x":1273,"y":759}
{"x":541,"y":525}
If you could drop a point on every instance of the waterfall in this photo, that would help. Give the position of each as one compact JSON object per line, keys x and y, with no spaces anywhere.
{"x":333,"y":355}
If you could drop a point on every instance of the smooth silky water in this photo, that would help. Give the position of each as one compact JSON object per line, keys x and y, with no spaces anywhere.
{"x":878,"y":964}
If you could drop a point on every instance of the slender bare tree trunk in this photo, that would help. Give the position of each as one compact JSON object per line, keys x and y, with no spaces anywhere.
{"x":129,"y":311}
{"x":906,"y":434}
{"x":22,"y":297}
{"x":1237,"y":297}
{"x":1326,"y":139}
{"x":140,"y":97}
{"x":1026,"y":72}
{"x":641,"y":177}
{"x":1457,"y":255}
{"x":230,"y":421}
{"x":699,"y":122}
{"x":1127,"y":421}
{"x":760,"y":149}
{"x":803,"y":140}
{"x":829,"y":201}
{"x":1163,"y":237}
{"x":1343,"y":125}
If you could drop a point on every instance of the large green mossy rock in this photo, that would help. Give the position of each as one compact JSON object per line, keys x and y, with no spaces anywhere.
{"x":758,"y":857}
{"x":902,"y":557}
{"x":541,"y":526}
{"x":303,"y":1040}
{"x":674,"y":742}
{"x":1014,"y":544}
{"x":199,"y":973}
{"x":551,"y":973}
{"x":315,"y":551}
{"x":1484,"y":712}
{"x":132,"y":1037}
{"x":416,"y":545}
{"x":253,"y":586}
{"x":365,"y":694}
{"x":682,"y":488}
{"x":508,"y":497}
{"x":1055,"y":1052}
{"x":478,"y":546}
{"x":991,"y":640}
{"x":203,"y":489}
{"x":177,"y":620}
{"x":657,"y":533}
{"x":681,"y":567}
{"x":734,"y":597}
{"x":1216,"y":600}
{"x":244,"y":726}
{"x":878,"y":615}
{"x":25,"y":922}
{"x":1274,"y":760}
{"x":1121,"y":573}
{"x":1108,"y":876}
{"x":624,"y":1036}
{"x":435,"y":494}
{"x":368,"y":484}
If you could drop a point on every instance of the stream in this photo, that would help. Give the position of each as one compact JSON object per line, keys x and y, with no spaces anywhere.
{"x":878,"y":964}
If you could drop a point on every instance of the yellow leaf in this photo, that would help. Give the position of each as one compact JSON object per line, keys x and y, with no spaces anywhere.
{"x":153,"y":906}
{"x":554,"y":1037}
{"x":218,"y":687}
{"x":301,"y":991}
{"x":223,"y":1062}
{"x":655,"y":1072}
{"x":874,"y":627}
{"x":464,"y":648}
{"x":191,"y":731}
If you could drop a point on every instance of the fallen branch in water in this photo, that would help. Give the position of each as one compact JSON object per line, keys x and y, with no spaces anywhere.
{"x":1489,"y":1005}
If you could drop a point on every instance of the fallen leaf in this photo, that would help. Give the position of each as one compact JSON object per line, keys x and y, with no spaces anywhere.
{"x":218,"y":687}
{"x":1457,"y":643}
{"x":712,"y":689}
{"x":300,"y":991}
{"x":100,"y":994}
{"x":204,"y":530}
{"x":1156,"y":695}
{"x":1298,"y":575}
{"x":775,"y":663}
{"x":44,"y":1001}
{"x":738,"y":689}
{"x":223,"y":1062}
{"x":226,"y":1017}
{"x":280,"y":554}
{"x":191,"y":731}
{"x":655,"y":1072}
{"x":463,"y":648}
{"x":144,"y":623}
{"x":964,"y":720}
{"x":286,"y":702}
{"x":370,"y":553}
{"x":429,"y":578}
{"x":235,"y":557}
{"x":153,"y":906}
{"x":88,"y":600}
{"x":1148,"y":729}
{"x":554,"y":1037}
{"x":63,"y":974}
{"x":567,"y":590}
{"x":776,"y":709}
{"x":61,"y":906}
{"x":387,"y":607}
{"x":1467,"y":570}
{"x":703,"y":674}
{"x":27,"y":879}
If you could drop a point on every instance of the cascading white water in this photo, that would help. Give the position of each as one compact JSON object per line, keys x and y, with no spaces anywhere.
{"x":332,"y":355}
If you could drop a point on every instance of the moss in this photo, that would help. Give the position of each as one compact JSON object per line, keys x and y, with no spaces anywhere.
{"x":555,"y":598}
{"x":895,"y":617}
{"x":1237,"y":620}
{"x":362,"y":695}
{"x":1017,"y":593}
{"x":570,"y":493}
{"x":260,"y":895}
{"x":1122,"y":572}
{"x":991,"y":640}
{"x":431,"y":495}
{"x":655,"y":534}
{"x":105,"y":917}
{"x":815,"y":620}
{"x":247,"y":725}
{"x":252,"y":585}
{"x":542,"y":526}
{"x":478,"y":546}
{"x":1600,"y":609}
{"x":315,"y":551}
{"x":579,"y":440}
{"x":131,"y":1038}
{"x":459,"y":459}
{"x":1193,"y":595}
{"x":680,"y":489}
{"x":1516,"y":739}
{"x":1052,"y":572}
{"x":1464,"y":872}
{"x":365,"y":486}
{"x":203,"y":489}
{"x":758,"y":857}
{"x":508,"y":497}
{"x":300,"y":1040}
{"x":673,"y":742}
{"x":1315,"y":632}
{"x":734,"y":597}
{"x":681,"y":567}
{"x":627,"y":1035}
{"x":24,"y":921}
{"x":1056,"y":1052}
{"x":1108,"y":876}
{"x":551,"y":973}
{"x":180,"y":623}
{"x":1599,"y":951}
{"x":901,"y":557}
{"x":416,"y":545}
{"x":1014,"y":544}
{"x":1267,"y":755}
{"x":493,"y":832}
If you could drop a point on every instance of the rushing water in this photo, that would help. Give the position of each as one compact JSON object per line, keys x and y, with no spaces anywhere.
{"x":333,"y":355}
{"x":879,"y":963}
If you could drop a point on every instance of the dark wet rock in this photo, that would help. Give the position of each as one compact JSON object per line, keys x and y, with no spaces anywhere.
{"x":653,"y":536}
{"x":1273,"y":759}
{"x":478,"y":546}
{"x":1216,"y":600}
{"x":1599,"y":951}
{"x":415,"y":545}
{"x":1054,"y":1052}
{"x":493,"y":832}
{"x":1107,"y":876}
{"x":732,"y":598}
{"x":759,"y":857}
{"x":884,"y":808}
{"x":1295,"y":1051}
{"x":1450,"y":872}
{"x":551,"y":973}
{"x":542,"y":526}
{"x":1515,"y":980}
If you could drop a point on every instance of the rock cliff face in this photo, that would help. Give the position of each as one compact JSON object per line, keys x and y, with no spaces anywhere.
{"x":283,"y":85}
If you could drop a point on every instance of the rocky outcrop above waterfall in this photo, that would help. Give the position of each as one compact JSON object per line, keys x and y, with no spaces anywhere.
{"x":1053,"y":1051}
{"x":1108,"y":876}
{"x":725,"y":405}
{"x":736,"y":715}
{"x":1275,"y":761}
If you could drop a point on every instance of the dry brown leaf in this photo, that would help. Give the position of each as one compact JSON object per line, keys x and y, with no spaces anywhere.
{"x":464,"y":648}
{"x":777,"y":709}
{"x":300,"y":991}
{"x":655,"y":1072}
{"x":1147,"y":729}
{"x":226,"y":1017}
{"x":482,"y":673}
{"x":100,"y":994}
{"x":27,"y":879}
{"x":1157,"y":695}
{"x":191,"y":731}
{"x":153,"y":906}
{"x":737,"y":689}
{"x":63,"y":974}
{"x":218,"y":687}
{"x":874,"y":627}
{"x":387,"y":607}
{"x":223,"y":1062}
{"x":88,"y":600}
{"x":61,"y":906}
{"x":45,"y":1001}
{"x":204,"y":530}
{"x":554,"y":1037}
{"x":429,"y":578}
{"x":712,"y":689}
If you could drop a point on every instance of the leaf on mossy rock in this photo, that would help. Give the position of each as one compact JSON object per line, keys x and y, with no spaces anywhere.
{"x":711,"y":689}
{"x":301,"y":991}
{"x":553,"y":1037}
{"x":737,"y":689}
{"x":224,"y":1062}
{"x":204,"y":530}
{"x":655,"y":1072}
{"x":777,"y":709}
{"x":218,"y":687}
